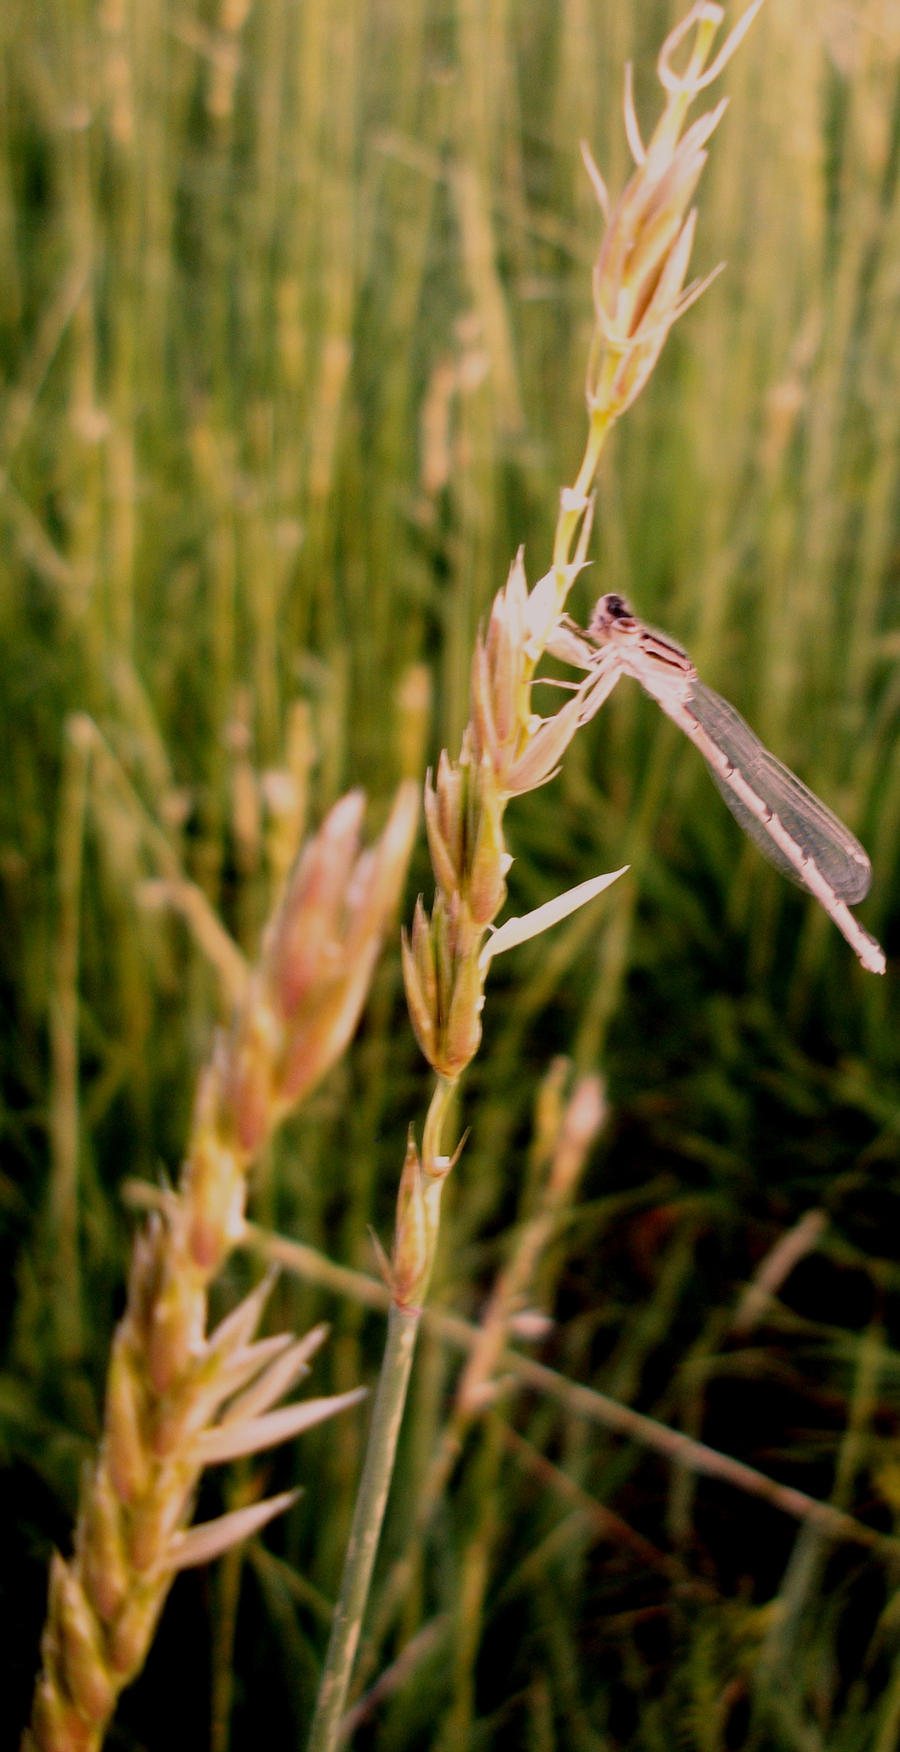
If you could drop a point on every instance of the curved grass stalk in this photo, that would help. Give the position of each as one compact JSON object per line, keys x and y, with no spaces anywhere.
{"x":639,"y":293}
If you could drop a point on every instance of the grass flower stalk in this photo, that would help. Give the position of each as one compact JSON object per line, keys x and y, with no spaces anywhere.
{"x":178,"y":1398}
{"x":639,"y":292}
{"x":566,"y":1124}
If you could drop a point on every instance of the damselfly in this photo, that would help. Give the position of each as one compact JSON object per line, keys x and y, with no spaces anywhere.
{"x":790,"y":825}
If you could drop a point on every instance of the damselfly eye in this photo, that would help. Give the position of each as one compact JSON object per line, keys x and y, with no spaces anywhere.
{"x":611,"y":611}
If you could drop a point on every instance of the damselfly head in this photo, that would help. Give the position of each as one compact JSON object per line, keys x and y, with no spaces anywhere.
{"x":612,"y":613}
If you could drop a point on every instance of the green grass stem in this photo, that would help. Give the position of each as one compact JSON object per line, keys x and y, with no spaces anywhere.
{"x":365,"y":1531}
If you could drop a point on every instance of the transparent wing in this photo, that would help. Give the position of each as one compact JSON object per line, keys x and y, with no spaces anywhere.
{"x":818,"y":834}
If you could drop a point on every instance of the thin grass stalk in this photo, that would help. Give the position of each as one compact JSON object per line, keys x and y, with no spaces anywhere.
{"x":368,"y":1516}
{"x":64,"y":1037}
{"x":507,"y":749}
{"x":566,"y":1132}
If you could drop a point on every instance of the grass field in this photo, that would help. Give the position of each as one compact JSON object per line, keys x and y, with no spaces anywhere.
{"x":294,"y":313}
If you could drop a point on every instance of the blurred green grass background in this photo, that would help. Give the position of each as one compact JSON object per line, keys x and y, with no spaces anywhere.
{"x":294,"y":313}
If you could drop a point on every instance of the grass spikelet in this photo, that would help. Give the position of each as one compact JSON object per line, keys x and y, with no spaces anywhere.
{"x":178,"y":1399}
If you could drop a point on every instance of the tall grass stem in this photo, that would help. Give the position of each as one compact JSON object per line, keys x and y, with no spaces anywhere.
{"x":368,"y":1516}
